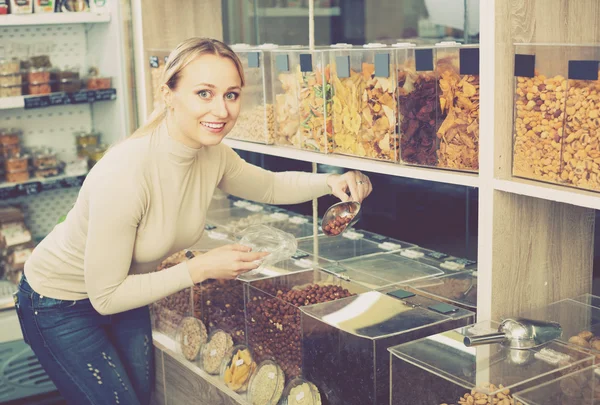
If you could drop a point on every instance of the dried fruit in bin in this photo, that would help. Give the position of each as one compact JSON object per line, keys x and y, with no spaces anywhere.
{"x":458,"y":132}
{"x":287,"y":120}
{"x":364,"y":115}
{"x":315,"y":102}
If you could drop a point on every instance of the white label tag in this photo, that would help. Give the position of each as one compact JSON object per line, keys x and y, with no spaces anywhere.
{"x":412,"y":254}
{"x":300,"y":396}
{"x":254,"y":208}
{"x":389,"y":246}
{"x":298,"y":220}
{"x":304,"y":263}
{"x":217,"y":235}
{"x":242,"y":204}
{"x":239,"y":362}
{"x":279,"y":216}
{"x":213,"y":352}
{"x":185,"y":340}
{"x":272,"y":376}
{"x":452,"y":266}
{"x":353,"y":235}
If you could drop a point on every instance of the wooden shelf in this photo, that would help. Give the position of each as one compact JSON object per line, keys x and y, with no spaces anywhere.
{"x":296,"y":12}
{"x":53,"y":18}
{"x":550,"y":192}
{"x":349,"y":162}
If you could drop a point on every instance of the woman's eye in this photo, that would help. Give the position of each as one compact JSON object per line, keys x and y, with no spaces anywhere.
{"x":204,"y":93}
{"x":232,"y":96}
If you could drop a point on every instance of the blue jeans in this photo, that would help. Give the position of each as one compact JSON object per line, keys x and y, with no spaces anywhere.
{"x":92,"y":359}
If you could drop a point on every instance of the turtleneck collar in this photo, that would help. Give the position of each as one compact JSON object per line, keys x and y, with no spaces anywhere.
{"x":178,"y":152}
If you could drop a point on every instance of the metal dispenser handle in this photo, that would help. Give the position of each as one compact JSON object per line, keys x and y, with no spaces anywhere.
{"x":479,"y":340}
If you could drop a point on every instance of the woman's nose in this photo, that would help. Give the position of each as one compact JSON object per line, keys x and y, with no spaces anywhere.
{"x":219,"y":109}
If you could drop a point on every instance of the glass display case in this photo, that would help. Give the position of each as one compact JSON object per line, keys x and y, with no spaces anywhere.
{"x":440,"y":369}
{"x":302,"y":95}
{"x":351,"y":244}
{"x":346,"y":342}
{"x":588,"y":299}
{"x":580,"y":387}
{"x":457,"y":70}
{"x":456,"y":288}
{"x":433,"y":258}
{"x":298,"y":225}
{"x":418,"y":105}
{"x":213,"y":237}
{"x":391,"y":268}
{"x":240,"y":217}
{"x":273,"y":313}
{"x":364,"y":101}
{"x":256,"y":119}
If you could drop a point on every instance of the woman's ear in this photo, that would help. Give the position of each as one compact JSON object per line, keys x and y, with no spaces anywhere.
{"x":167,"y":96}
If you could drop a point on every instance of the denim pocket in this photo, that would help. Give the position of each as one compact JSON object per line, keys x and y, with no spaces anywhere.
{"x":20,"y":316}
{"x":42,"y":303}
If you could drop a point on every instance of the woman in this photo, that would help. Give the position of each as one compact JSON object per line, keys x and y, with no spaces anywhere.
{"x":83,"y":301}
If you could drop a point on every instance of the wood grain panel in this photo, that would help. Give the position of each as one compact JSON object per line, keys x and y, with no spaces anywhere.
{"x":543,"y":252}
{"x":187,"y":386}
{"x":159,"y":394}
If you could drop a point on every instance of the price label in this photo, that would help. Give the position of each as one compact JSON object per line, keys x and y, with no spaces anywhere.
{"x":376,"y":238}
{"x":80,"y":97}
{"x":37,"y":102}
{"x":8,"y":192}
{"x":29,"y":188}
{"x":105,"y":95}
{"x":300,"y":396}
{"x":412,"y":254}
{"x":239,"y":362}
{"x":389,"y":246}
{"x":58,"y":99}
{"x":73,"y":181}
{"x":271,"y":376}
{"x":213,"y":352}
{"x":51,"y":185}
{"x":353,"y":235}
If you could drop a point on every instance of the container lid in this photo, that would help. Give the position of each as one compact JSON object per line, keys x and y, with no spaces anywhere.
{"x":237,"y":368}
{"x":589,"y":299}
{"x":448,"y":44}
{"x":432,"y":258}
{"x":392,"y":268}
{"x":298,"y":263}
{"x":404,"y":45}
{"x":268,"y":46}
{"x":238,"y":218}
{"x":213,"y":352}
{"x":190,"y":337}
{"x":341,"y":45}
{"x":299,"y":392}
{"x":375,"y":45}
{"x":458,"y":288}
{"x":241,"y":47}
{"x":270,"y":380}
{"x":446,"y":356}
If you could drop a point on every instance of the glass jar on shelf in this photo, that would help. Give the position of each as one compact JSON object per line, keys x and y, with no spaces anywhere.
{"x":364,"y":102}
{"x":85,"y":139}
{"x":95,"y":153}
{"x":44,"y":158}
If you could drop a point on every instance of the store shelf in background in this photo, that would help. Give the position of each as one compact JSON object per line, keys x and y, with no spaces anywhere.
{"x":551,"y":192}
{"x":436,"y":175}
{"x":36,"y":186}
{"x":296,"y":12}
{"x":56,"y":99}
{"x":53,"y":18}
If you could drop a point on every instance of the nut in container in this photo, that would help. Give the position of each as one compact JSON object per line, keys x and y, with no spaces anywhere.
{"x":266,"y":384}
{"x":191,"y":336}
{"x":214,"y":351}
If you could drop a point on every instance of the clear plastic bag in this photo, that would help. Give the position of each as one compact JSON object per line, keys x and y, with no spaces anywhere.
{"x":263,"y":238}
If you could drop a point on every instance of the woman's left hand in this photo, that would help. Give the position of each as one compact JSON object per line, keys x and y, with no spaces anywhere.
{"x":354,"y":182}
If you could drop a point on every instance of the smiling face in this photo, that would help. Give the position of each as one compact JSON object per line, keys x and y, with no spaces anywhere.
{"x":205,"y":103}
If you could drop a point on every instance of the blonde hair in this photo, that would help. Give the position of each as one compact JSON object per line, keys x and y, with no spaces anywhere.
{"x":180,"y":57}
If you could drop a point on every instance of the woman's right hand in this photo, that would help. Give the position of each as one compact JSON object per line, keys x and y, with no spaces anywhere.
{"x":226,"y":263}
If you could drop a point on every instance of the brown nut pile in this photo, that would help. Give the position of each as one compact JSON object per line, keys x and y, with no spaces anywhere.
{"x":220,"y":305}
{"x":168,"y":313}
{"x":274,"y":330}
{"x":338,"y":225}
{"x":213,"y":352}
{"x":581,"y":148}
{"x":250,"y":125}
{"x":479,"y":398}
{"x":538,"y":128}
{"x":192,"y":335}
{"x":587,"y":340}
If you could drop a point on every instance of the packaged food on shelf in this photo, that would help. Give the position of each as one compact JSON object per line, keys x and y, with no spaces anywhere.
{"x":191,"y":336}
{"x":581,"y":142}
{"x":67,"y":6}
{"x":351,"y":244}
{"x":11,"y":91}
{"x":10,"y":136}
{"x":95,"y":153}
{"x":13,"y":234}
{"x":237,"y":368}
{"x":364,"y":102}
{"x":346,"y":342}
{"x":98,"y":83}
{"x":457,"y":69}
{"x":10,"y":79}
{"x":38,"y":75}
{"x":440,"y":369}
{"x":458,"y":288}
{"x":256,"y":120}
{"x":4,"y":7}
{"x":69,"y":85}
{"x":16,"y":163}
{"x":44,"y":158}
{"x":300,"y":392}
{"x":266,"y":384}
{"x":21,"y":6}
{"x":84,"y":139}
{"x":10,"y":214}
{"x":539,"y":102}
{"x":38,"y":88}
{"x":418,"y":105}
{"x":580,"y":387}
{"x":66,"y":73}
{"x":19,"y":255}
{"x":44,"y":6}
{"x":214,"y":351}
{"x":76,"y":166}
{"x":17,"y":177}
{"x":49,"y":172}
{"x":39,"y":61}
{"x":273,"y":313}
{"x":9,"y":66}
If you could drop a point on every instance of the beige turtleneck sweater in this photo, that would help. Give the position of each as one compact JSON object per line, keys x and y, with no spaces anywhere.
{"x":143,"y":201}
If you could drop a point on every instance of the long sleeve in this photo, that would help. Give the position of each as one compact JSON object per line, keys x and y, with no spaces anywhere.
{"x":116,"y":205}
{"x":254,"y":183}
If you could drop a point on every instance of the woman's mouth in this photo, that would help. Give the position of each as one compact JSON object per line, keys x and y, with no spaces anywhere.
{"x":214,"y":127}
